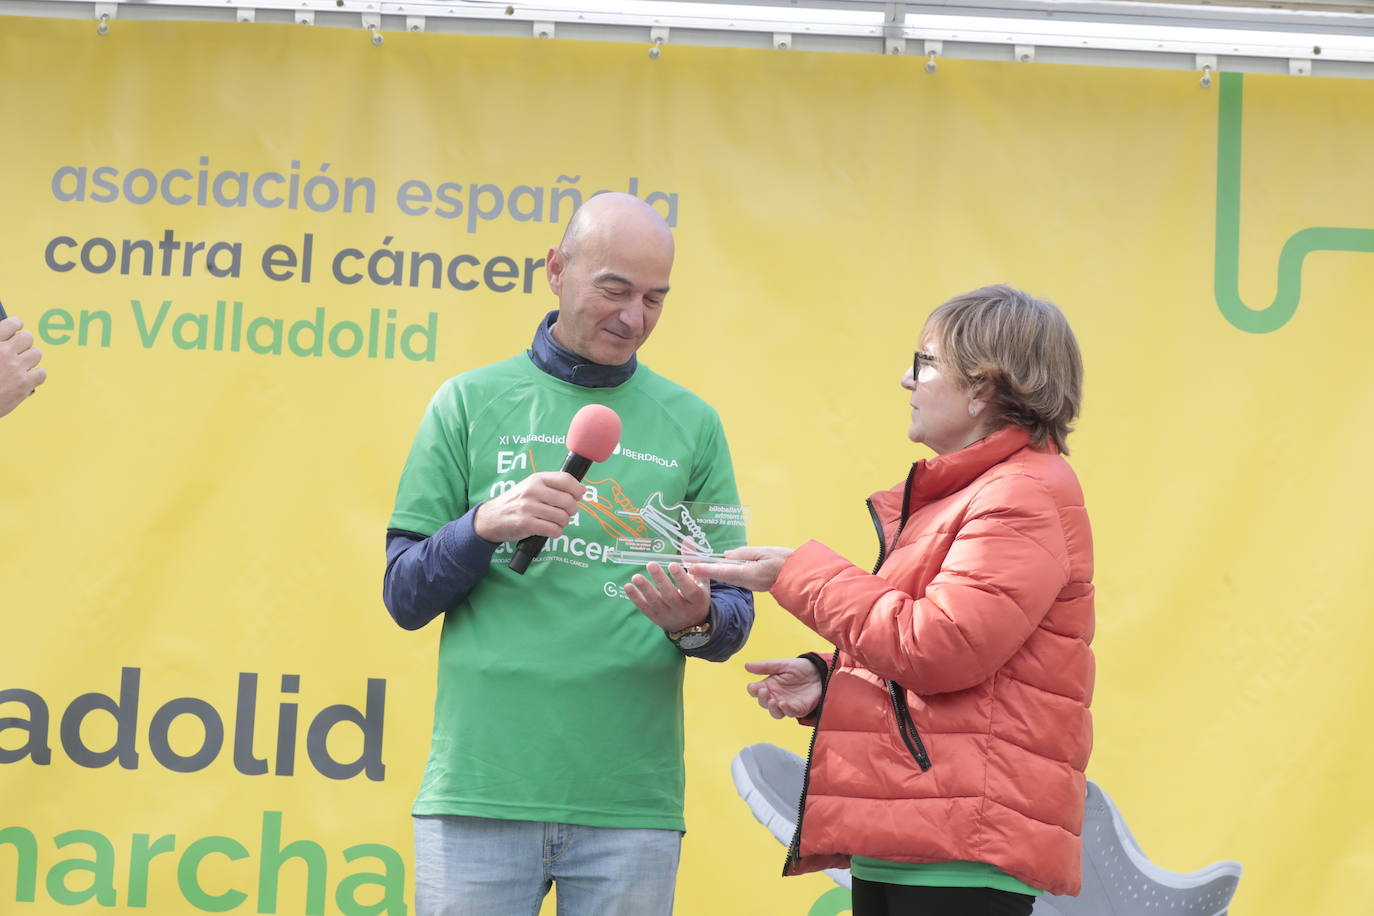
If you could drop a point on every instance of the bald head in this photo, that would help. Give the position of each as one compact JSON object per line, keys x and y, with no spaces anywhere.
{"x":613,"y":220}
{"x":610,"y":274}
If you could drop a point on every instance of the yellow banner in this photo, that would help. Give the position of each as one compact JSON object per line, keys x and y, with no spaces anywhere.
{"x":251,"y":252}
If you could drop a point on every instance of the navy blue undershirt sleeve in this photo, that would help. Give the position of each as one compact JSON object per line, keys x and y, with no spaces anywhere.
{"x":732,"y":614}
{"x":425,"y":576}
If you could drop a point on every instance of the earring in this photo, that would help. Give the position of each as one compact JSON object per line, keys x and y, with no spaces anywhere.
{"x":972,"y":412}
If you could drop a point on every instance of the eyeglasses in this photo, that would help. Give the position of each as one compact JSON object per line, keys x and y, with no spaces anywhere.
{"x":916,"y":362}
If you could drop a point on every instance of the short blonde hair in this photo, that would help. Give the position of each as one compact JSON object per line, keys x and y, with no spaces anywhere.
{"x":1019,"y":352}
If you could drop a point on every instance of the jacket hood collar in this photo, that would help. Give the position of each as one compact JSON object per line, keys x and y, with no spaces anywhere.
{"x":938,"y":477}
{"x":560,"y":362}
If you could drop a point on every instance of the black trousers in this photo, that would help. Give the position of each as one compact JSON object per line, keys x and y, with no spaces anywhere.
{"x":873,"y":898}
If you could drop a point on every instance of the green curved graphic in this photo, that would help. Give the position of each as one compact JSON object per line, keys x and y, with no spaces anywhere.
{"x":1299,"y":245}
{"x":832,"y":903}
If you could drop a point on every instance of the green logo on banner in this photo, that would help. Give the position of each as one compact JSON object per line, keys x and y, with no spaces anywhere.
{"x":1299,"y":245}
{"x":832,"y":903}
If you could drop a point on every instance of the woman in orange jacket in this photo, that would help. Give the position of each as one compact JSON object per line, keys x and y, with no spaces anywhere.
{"x":951,"y":720}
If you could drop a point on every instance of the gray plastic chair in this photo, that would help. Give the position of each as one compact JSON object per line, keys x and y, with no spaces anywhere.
{"x":1118,"y":879}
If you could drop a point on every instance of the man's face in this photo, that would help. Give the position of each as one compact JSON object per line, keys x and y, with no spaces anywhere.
{"x":611,"y":292}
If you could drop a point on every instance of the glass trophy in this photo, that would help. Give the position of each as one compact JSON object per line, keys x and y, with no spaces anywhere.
{"x":680,"y":533}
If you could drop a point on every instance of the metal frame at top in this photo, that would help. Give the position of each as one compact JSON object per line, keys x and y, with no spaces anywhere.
{"x":1297,"y":37}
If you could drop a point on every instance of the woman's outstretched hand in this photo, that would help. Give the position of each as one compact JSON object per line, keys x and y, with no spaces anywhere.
{"x":757,"y":571}
{"x":792,"y":687}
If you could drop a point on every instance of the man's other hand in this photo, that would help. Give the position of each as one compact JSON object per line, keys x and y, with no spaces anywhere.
{"x":673,"y":602}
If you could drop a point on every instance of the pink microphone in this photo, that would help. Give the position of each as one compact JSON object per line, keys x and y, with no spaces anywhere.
{"x":592,"y":437}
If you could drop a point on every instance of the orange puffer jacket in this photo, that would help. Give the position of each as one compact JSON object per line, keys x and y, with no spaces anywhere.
{"x":982,"y":611}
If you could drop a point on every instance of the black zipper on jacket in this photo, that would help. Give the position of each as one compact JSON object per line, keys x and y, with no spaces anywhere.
{"x":794,"y":847}
{"x":907,"y":728}
{"x":882,"y":541}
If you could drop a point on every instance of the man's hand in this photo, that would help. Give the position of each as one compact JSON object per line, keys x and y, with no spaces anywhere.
{"x":757,"y":571}
{"x":792,"y":688}
{"x":543,"y":503}
{"x":19,"y":372}
{"x":674,"y":603}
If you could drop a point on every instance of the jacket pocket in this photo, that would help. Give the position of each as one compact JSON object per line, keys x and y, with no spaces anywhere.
{"x":906,"y":727}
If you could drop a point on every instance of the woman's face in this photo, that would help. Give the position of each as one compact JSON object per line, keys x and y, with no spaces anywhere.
{"x":940,"y":417}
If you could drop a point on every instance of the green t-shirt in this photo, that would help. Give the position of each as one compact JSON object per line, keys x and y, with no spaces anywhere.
{"x":557,"y":699}
{"x":938,"y":874}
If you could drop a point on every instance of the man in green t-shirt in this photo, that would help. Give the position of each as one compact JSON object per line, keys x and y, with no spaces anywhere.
{"x":557,"y":751}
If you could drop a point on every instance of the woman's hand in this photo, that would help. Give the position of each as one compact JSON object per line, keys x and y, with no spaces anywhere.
{"x":792,"y":688}
{"x":757,"y":571}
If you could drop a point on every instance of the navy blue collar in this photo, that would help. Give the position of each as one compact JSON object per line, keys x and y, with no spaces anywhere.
{"x":562,"y":363}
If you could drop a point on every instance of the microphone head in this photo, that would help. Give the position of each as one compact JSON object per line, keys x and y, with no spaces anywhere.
{"x":594,"y":432}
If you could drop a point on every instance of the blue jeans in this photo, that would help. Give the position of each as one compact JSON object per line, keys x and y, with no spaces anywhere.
{"x":478,"y":866}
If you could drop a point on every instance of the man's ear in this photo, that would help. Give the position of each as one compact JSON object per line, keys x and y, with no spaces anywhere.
{"x":554,"y":264}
